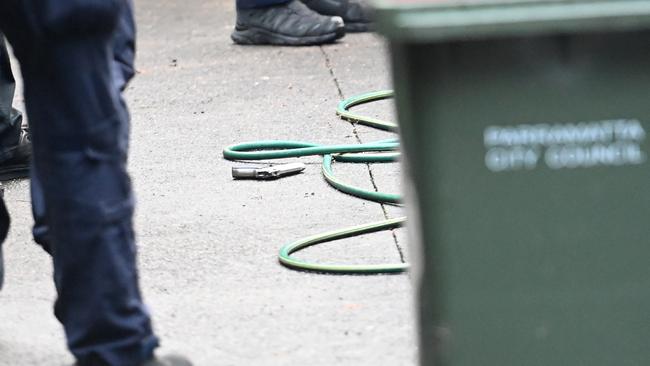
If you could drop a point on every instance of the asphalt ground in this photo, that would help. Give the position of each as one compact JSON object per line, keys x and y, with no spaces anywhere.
{"x":208,"y":244}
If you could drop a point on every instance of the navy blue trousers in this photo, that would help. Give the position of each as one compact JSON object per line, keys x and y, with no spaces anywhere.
{"x":76,"y":56}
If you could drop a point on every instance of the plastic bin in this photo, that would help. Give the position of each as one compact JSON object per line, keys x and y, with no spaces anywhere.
{"x":524,"y":127}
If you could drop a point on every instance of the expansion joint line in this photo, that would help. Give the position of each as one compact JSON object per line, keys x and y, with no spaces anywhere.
{"x":355,"y":132}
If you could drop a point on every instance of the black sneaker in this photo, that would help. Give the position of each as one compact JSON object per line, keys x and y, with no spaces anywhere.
{"x":15,"y":160}
{"x":356,"y":14}
{"x":290,"y":24}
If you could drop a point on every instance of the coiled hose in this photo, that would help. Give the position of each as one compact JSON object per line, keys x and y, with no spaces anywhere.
{"x":383,"y":151}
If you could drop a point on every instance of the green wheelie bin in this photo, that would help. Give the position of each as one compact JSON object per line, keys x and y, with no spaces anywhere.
{"x":524,"y":126}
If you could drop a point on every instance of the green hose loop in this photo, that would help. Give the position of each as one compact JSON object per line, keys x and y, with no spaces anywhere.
{"x":343,"y":110}
{"x":355,"y":191}
{"x":288,"y":260}
{"x":357,"y":153}
{"x":370,"y":158}
{"x":367,"y":158}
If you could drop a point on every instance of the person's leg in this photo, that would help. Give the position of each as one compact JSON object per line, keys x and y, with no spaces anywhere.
{"x":10,"y":119}
{"x":123,"y":70}
{"x":15,"y":149}
{"x":78,"y":127}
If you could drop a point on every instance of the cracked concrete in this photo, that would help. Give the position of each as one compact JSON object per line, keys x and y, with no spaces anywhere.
{"x":208,"y":244}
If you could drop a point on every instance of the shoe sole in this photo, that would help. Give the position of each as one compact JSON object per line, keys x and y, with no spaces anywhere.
{"x":14,"y":172}
{"x":259,"y":36}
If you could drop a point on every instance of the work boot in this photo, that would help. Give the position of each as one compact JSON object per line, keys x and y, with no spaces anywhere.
{"x":15,"y":160}
{"x":356,"y":14}
{"x":171,"y":360}
{"x":290,"y":24}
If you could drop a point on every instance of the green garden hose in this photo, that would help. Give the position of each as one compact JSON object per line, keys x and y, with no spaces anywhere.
{"x":335,"y":182}
{"x":357,"y":153}
{"x":288,"y":260}
{"x":266,"y":150}
{"x":344,"y":106}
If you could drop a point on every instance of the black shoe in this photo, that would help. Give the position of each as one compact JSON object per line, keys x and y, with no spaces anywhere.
{"x":291,"y":24}
{"x":171,"y":360}
{"x":15,"y":160}
{"x":356,"y":14}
